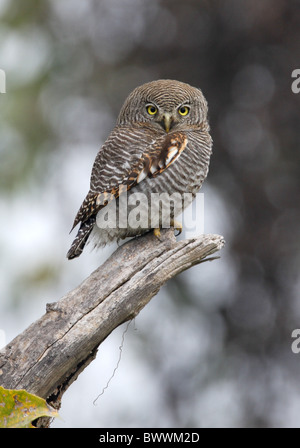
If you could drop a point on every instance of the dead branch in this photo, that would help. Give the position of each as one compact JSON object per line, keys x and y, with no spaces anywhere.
{"x":50,"y":354}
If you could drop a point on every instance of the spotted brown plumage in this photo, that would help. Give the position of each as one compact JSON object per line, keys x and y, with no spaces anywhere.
{"x":168,"y":151}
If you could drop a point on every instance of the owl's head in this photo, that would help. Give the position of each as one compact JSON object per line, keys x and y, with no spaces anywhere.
{"x":167,"y":104}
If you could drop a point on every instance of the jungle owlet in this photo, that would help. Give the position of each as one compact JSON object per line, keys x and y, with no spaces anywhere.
{"x":160,"y":146}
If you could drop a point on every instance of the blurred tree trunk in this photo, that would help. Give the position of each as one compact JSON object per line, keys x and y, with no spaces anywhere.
{"x":50,"y":354}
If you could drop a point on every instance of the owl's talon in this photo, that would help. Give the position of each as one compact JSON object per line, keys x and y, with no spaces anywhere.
{"x":177,"y":226}
{"x":157,"y":232}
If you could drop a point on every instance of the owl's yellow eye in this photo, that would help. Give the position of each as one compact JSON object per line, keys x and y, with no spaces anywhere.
{"x":151,"y":109}
{"x":183,"y":110}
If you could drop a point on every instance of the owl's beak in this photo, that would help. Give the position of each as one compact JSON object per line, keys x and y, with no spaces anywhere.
{"x":167,"y":121}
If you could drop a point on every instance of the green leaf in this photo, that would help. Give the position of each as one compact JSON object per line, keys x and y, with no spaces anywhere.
{"x":18,"y":408}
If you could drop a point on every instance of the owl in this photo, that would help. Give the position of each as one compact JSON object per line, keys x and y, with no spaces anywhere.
{"x":159,"y":149}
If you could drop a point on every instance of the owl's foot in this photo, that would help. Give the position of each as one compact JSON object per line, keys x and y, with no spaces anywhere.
{"x":157,"y":232}
{"x":177,"y":226}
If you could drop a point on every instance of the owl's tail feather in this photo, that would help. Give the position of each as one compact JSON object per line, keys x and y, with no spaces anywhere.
{"x":81,"y":238}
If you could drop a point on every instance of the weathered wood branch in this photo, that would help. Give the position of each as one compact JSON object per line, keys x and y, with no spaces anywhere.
{"x":50,"y":354}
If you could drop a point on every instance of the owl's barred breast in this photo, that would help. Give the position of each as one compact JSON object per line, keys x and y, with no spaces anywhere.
{"x":183,"y":176}
{"x":181,"y":181}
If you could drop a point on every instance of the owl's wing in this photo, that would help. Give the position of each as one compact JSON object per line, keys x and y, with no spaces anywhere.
{"x":126,"y":159}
